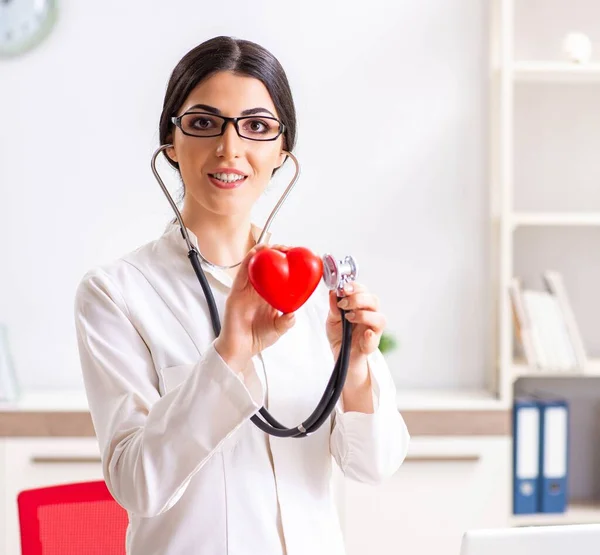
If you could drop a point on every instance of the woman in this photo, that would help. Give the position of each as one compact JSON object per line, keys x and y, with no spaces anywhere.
{"x":171,"y":405}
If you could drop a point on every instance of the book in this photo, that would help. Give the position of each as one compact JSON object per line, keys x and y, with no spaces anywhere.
{"x":524,"y":329}
{"x":546,"y":328}
{"x":555,"y":284}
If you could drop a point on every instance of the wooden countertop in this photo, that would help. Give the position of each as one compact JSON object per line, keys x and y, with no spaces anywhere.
{"x":65,"y":414}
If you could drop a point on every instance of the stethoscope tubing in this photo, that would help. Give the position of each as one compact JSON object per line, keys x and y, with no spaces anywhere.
{"x":337,"y":379}
{"x":334,"y":386}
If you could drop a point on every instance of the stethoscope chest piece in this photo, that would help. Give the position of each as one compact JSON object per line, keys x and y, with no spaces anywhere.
{"x":337,"y":273}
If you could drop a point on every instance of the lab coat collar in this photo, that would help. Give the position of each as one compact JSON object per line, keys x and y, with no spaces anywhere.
{"x":173,"y":233}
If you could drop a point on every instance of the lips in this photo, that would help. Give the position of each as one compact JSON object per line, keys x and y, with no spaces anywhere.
{"x":227,"y":184}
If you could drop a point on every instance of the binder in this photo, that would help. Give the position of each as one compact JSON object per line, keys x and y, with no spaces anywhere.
{"x":526,"y":456}
{"x":554,"y":458}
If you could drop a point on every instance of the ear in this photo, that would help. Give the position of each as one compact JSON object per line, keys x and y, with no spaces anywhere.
{"x":282,"y":159}
{"x":170,"y":152}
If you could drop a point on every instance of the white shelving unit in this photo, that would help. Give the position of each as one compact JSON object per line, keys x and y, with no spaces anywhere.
{"x":578,"y":513}
{"x":555,"y":72}
{"x":521,"y":370}
{"x":506,"y":74}
{"x":520,"y":219}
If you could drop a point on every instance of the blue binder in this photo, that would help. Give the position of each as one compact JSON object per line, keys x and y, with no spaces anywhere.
{"x":526,"y":456}
{"x":554,"y":458}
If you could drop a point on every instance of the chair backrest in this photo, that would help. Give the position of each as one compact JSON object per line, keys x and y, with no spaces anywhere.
{"x":71,"y":519}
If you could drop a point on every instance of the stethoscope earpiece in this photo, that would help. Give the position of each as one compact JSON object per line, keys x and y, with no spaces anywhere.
{"x":337,"y":273}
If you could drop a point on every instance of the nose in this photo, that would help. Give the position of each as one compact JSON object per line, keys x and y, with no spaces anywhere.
{"x":230,"y":143}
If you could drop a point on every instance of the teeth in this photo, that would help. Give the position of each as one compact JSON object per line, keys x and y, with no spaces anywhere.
{"x":228,"y":177}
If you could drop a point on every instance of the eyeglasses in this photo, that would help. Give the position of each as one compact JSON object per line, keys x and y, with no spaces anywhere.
{"x":255,"y":128}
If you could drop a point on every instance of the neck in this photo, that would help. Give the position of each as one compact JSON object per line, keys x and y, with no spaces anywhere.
{"x":223,"y":240}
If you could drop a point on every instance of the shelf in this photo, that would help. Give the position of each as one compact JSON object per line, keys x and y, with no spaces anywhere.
{"x":576,"y":513}
{"x":521,"y":370}
{"x":407,"y":399}
{"x":559,"y":72}
{"x":48,"y":400}
{"x":448,"y":399}
{"x":555,"y":219}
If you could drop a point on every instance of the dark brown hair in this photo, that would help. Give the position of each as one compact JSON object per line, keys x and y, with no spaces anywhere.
{"x":238,"y":56}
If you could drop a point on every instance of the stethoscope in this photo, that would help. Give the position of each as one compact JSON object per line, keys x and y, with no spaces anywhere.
{"x":335,"y":275}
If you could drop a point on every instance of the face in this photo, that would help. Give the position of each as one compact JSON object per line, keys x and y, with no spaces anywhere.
{"x":205,"y":162}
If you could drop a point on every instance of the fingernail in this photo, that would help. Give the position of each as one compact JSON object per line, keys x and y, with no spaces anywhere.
{"x":350,"y":315}
{"x":348,"y":288}
{"x":343,"y":303}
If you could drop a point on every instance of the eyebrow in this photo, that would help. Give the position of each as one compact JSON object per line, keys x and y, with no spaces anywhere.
{"x":217,"y":112}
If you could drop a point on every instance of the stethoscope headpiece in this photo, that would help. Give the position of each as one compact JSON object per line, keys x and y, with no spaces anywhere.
{"x":337,"y":273}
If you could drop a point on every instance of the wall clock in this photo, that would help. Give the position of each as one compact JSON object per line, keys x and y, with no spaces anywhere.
{"x":24,"y":24}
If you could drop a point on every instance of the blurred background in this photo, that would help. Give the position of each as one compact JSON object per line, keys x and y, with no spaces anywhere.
{"x":392,"y":130}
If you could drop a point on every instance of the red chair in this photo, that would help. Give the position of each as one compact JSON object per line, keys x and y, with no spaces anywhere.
{"x":71,"y":519}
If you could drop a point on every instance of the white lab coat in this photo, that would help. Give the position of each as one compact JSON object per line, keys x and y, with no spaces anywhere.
{"x":172,"y":419}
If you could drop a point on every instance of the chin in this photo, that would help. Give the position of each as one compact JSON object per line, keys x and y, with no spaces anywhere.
{"x":227,"y":208}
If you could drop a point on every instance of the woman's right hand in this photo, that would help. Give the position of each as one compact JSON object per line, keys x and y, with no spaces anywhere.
{"x":250,"y":324}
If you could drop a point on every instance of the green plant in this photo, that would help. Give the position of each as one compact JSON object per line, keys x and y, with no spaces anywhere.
{"x":387,"y":342}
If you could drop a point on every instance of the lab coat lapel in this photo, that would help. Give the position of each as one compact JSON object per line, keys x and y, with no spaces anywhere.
{"x":169,"y":272}
{"x":170,"y":265}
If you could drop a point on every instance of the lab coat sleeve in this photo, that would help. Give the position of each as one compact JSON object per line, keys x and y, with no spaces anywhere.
{"x":151,"y":446}
{"x":371,"y":447}
{"x":367,"y":447}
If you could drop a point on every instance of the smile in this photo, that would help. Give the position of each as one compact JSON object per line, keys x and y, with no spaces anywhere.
{"x":227,"y":180}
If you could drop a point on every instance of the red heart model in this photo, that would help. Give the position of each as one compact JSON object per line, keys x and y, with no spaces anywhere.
{"x":285,"y":279}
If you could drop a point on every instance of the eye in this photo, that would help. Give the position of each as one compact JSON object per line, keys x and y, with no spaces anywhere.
{"x":260,"y":128}
{"x":202,"y":122}
{"x":257,"y":126}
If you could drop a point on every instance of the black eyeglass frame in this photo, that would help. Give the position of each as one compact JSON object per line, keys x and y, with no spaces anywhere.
{"x":176,"y":120}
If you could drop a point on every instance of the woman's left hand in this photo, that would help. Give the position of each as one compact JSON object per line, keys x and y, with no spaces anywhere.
{"x":362,"y":309}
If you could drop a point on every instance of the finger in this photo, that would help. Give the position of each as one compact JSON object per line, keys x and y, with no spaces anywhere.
{"x":242,"y":275}
{"x":334,"y":311}
{"x":362,"y":301}
{"x":374,"y":320}
{"x":282,"y":248}
{"x":353,"y":287}
{"x":284,"y":322}
{"x":369,"y":341}
{"x":253,"y":251}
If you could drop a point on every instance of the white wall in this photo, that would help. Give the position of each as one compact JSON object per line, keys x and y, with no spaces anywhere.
{"x":540,"y":26}
{"x":409,"y":200}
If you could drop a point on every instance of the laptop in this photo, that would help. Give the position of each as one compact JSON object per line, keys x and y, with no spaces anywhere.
{"x":572,"y":539}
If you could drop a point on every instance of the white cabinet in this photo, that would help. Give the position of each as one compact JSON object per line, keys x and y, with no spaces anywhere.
{"x":35,"y":462}
{"x":444,"y":487}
